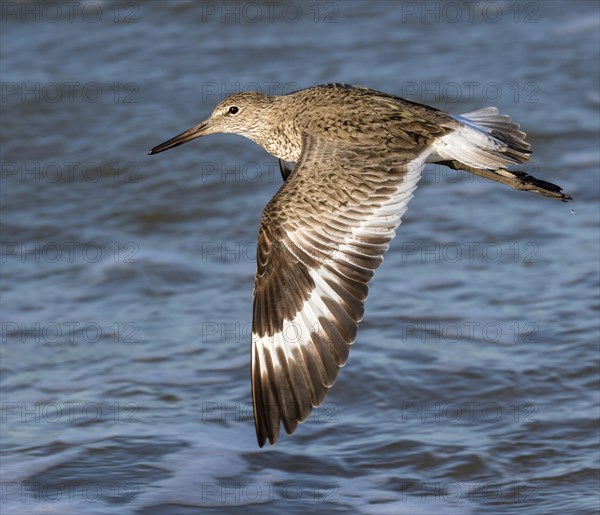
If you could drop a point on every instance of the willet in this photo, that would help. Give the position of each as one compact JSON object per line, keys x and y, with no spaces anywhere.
{"x":357,"y":156}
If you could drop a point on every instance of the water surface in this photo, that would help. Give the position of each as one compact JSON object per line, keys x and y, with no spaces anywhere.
{"x":127,"y":279}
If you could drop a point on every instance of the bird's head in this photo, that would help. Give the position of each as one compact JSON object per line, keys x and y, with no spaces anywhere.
{"x":241,"y":114}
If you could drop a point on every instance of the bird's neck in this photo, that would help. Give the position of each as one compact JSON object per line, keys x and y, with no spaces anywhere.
{"x":282,"y":140}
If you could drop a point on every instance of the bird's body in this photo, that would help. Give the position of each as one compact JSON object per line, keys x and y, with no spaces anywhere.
{"x":358,"y":156}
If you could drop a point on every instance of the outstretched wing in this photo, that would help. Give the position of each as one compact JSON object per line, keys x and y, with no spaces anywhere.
{"x":321,"y":238}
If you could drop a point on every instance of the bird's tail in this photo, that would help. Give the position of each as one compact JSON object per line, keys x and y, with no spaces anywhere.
{"x":484,"y":142}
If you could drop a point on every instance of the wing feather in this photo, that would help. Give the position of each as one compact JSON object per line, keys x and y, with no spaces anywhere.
{"x":319,"y":244}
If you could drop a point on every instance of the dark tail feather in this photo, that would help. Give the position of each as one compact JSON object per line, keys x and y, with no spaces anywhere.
{"x":515,"y":179}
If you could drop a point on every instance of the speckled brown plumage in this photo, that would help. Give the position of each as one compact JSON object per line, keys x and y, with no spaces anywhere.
{"x":358,"y":156}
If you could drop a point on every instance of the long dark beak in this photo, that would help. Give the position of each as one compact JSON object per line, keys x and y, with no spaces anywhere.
{"x":195,"y":132}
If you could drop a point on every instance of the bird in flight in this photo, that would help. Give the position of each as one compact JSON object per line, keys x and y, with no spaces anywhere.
{"x":350,"y":158}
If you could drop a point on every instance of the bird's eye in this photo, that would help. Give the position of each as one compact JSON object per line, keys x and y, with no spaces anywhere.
{"x":233,"y":109}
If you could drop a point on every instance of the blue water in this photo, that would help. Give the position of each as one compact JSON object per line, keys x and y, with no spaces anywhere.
{"x":127,"y":279}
